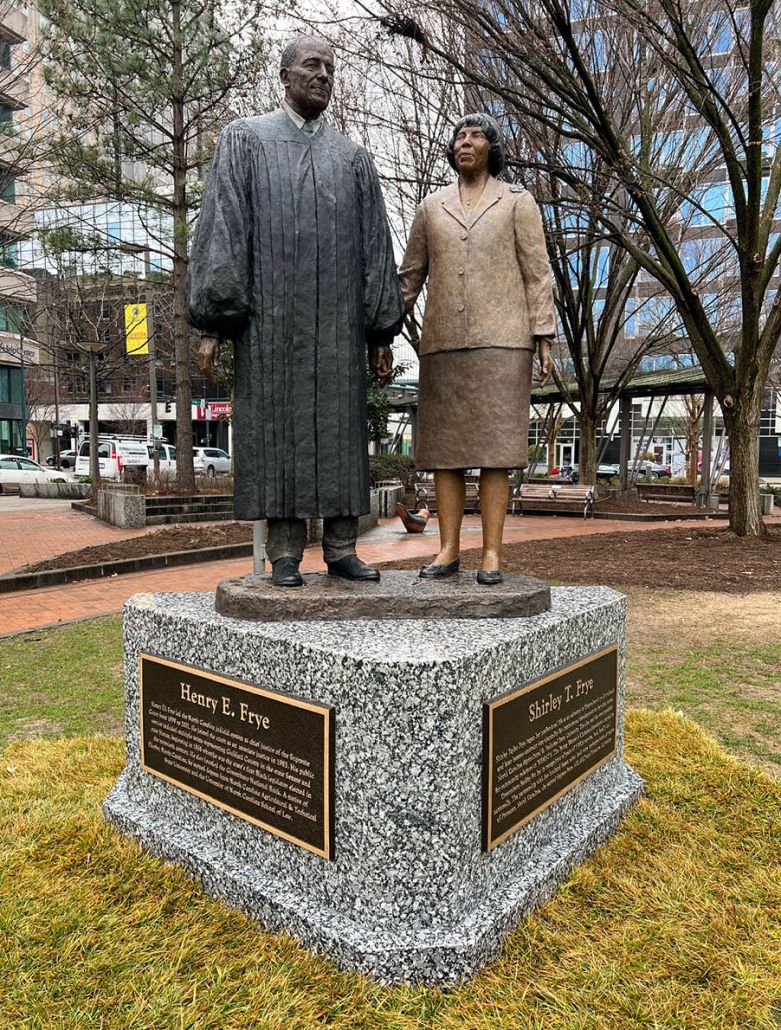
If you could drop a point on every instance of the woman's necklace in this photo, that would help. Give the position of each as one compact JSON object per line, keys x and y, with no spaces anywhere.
{"x":470,"y":198}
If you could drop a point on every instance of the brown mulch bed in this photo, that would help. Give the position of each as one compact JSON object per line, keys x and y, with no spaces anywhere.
{"x":689,"y":556}
{"x":614,"y":506}
{"x":681,"y":556}
{"x":187,"y":537}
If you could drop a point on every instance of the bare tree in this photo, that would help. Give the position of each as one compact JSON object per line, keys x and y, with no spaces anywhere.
{"x":711,"y":67}
{"x":396,"y":100}
{"x":143,"y":91}
{"x":40,"y":403}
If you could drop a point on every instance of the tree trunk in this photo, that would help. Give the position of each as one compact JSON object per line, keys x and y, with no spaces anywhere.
{"x":185,"y":472}
{"x":742,"y":424}
{"x":587,"y":459}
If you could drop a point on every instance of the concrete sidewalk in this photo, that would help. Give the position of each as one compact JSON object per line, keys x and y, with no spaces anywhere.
{"x":32,"y":533}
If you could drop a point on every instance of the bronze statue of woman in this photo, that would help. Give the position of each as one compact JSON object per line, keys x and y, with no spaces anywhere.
{"x":489,"y":306}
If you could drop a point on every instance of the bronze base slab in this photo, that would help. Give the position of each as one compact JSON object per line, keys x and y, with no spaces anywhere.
{"x":398,"y":595}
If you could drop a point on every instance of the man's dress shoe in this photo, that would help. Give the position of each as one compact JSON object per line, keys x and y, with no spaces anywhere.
{"x":351,"y":567}
{"x":439,"y":571}
{"x":284,"y":573}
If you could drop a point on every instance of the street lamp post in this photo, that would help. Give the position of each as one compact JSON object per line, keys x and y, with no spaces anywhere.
{"x":149,"y":298}
{"x":93,"y":348}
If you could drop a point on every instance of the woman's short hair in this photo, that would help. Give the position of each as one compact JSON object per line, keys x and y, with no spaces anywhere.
{"x":493,"y":134}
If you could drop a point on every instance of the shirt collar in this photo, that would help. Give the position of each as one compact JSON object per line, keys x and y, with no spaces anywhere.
{"x":298,"y":121}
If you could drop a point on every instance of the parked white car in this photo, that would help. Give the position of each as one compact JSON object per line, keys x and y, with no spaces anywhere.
{"x":167,"y":453}
{"x":16,"y":470}
{"x":115,"y":453}
{"x":210,"y":461}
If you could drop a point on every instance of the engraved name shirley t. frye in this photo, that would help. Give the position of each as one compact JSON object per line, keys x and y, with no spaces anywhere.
{"x":265,"y":756}
{"x":543,"y":738}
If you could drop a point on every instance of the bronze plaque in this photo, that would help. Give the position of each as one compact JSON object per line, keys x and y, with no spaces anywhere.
{"x":542,"y":738}
{"x":262,"y":755}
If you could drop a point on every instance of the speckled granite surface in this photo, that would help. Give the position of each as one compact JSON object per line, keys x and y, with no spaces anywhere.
{"x":409,"y":895}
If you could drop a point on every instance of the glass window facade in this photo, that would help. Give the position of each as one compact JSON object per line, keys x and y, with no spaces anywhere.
{"x":11,"y":391}
{"x":10,"y":318}
{"x":11,"y":437}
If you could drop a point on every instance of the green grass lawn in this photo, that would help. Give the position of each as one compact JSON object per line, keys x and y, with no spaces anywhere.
{"x":62,"y":681}
{"x":674,"y":923}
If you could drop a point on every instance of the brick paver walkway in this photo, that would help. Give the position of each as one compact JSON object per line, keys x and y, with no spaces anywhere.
{"x":31,"y":530}
{"x":31,"y":534}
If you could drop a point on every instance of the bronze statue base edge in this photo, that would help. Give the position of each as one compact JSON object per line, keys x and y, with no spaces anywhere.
{"x":398,"y":595}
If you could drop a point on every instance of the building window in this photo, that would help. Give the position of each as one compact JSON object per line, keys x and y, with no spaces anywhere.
{"x":10,"y":318}
{"x":602,"y":268}
{"x":718,"y":36}
{"x":11,"y":439}
{"x":11,"y":391}
{"x":630,"y":319}
{"x":712,"y":206}
{"x":8,"y":253}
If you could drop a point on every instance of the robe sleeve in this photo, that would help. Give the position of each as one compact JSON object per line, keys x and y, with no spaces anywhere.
{"x":535,"y":267}
{"x":414,"y":265}
{"x":382,"y":304}
{"x":218,"y":277}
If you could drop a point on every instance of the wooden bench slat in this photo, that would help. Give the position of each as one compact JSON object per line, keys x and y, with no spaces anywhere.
{"x":426,"y":495}
{"x":666,"y":492}
{"x":556,"y":493}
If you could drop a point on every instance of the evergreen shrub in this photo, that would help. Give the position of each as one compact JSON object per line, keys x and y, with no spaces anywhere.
{"x":391,"y":466}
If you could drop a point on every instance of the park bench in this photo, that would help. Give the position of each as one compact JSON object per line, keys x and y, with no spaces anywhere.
{"x":550,"y":496}
{"x":666,"y":492}
{"x":426,"y":494}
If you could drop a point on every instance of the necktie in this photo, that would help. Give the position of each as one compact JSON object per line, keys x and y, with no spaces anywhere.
{"x":308,"y":129}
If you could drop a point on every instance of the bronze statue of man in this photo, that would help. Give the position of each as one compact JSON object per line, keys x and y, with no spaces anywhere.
{"x":292,"y":259}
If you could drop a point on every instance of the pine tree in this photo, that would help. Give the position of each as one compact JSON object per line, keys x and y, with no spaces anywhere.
{"x":143,"y":87}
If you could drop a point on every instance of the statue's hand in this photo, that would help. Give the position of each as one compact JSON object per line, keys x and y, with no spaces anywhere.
{"x":381,"y":363}
{"x":546,"y":361}
{"x":208,"y":356}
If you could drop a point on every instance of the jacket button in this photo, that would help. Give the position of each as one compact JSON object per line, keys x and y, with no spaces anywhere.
{"x":460,"y":271}
{"x":464,"y":236}
{"x":461,"y":307}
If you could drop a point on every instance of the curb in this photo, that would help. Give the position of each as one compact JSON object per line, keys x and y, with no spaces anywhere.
{"x":11,"y":583}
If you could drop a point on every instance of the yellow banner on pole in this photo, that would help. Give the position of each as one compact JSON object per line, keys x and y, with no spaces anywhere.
{"x":136,"y":329}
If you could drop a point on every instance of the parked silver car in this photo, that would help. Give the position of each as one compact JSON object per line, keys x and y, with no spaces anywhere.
{"x":211,"y":461}
{"x":67,"y":459}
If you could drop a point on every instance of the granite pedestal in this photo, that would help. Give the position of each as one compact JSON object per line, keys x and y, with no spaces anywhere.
{"x":409,"y":893}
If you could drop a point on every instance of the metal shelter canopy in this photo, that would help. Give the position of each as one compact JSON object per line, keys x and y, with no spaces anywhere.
{"x":665,"y":384}
{"x":668,"y":383}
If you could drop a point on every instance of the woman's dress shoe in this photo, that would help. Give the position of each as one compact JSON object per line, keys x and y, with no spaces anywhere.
{"x":439,"y":571}
{"x":489,"y":577}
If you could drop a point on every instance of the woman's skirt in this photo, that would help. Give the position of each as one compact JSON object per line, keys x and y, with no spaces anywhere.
{"x":473,"y":409}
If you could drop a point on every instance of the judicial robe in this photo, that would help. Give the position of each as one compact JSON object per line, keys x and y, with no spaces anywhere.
{"x":292,"y":259}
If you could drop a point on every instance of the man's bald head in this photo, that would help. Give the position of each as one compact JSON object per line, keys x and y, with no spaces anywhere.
{"x":307,"y":73}
{"x":291,"y":49}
